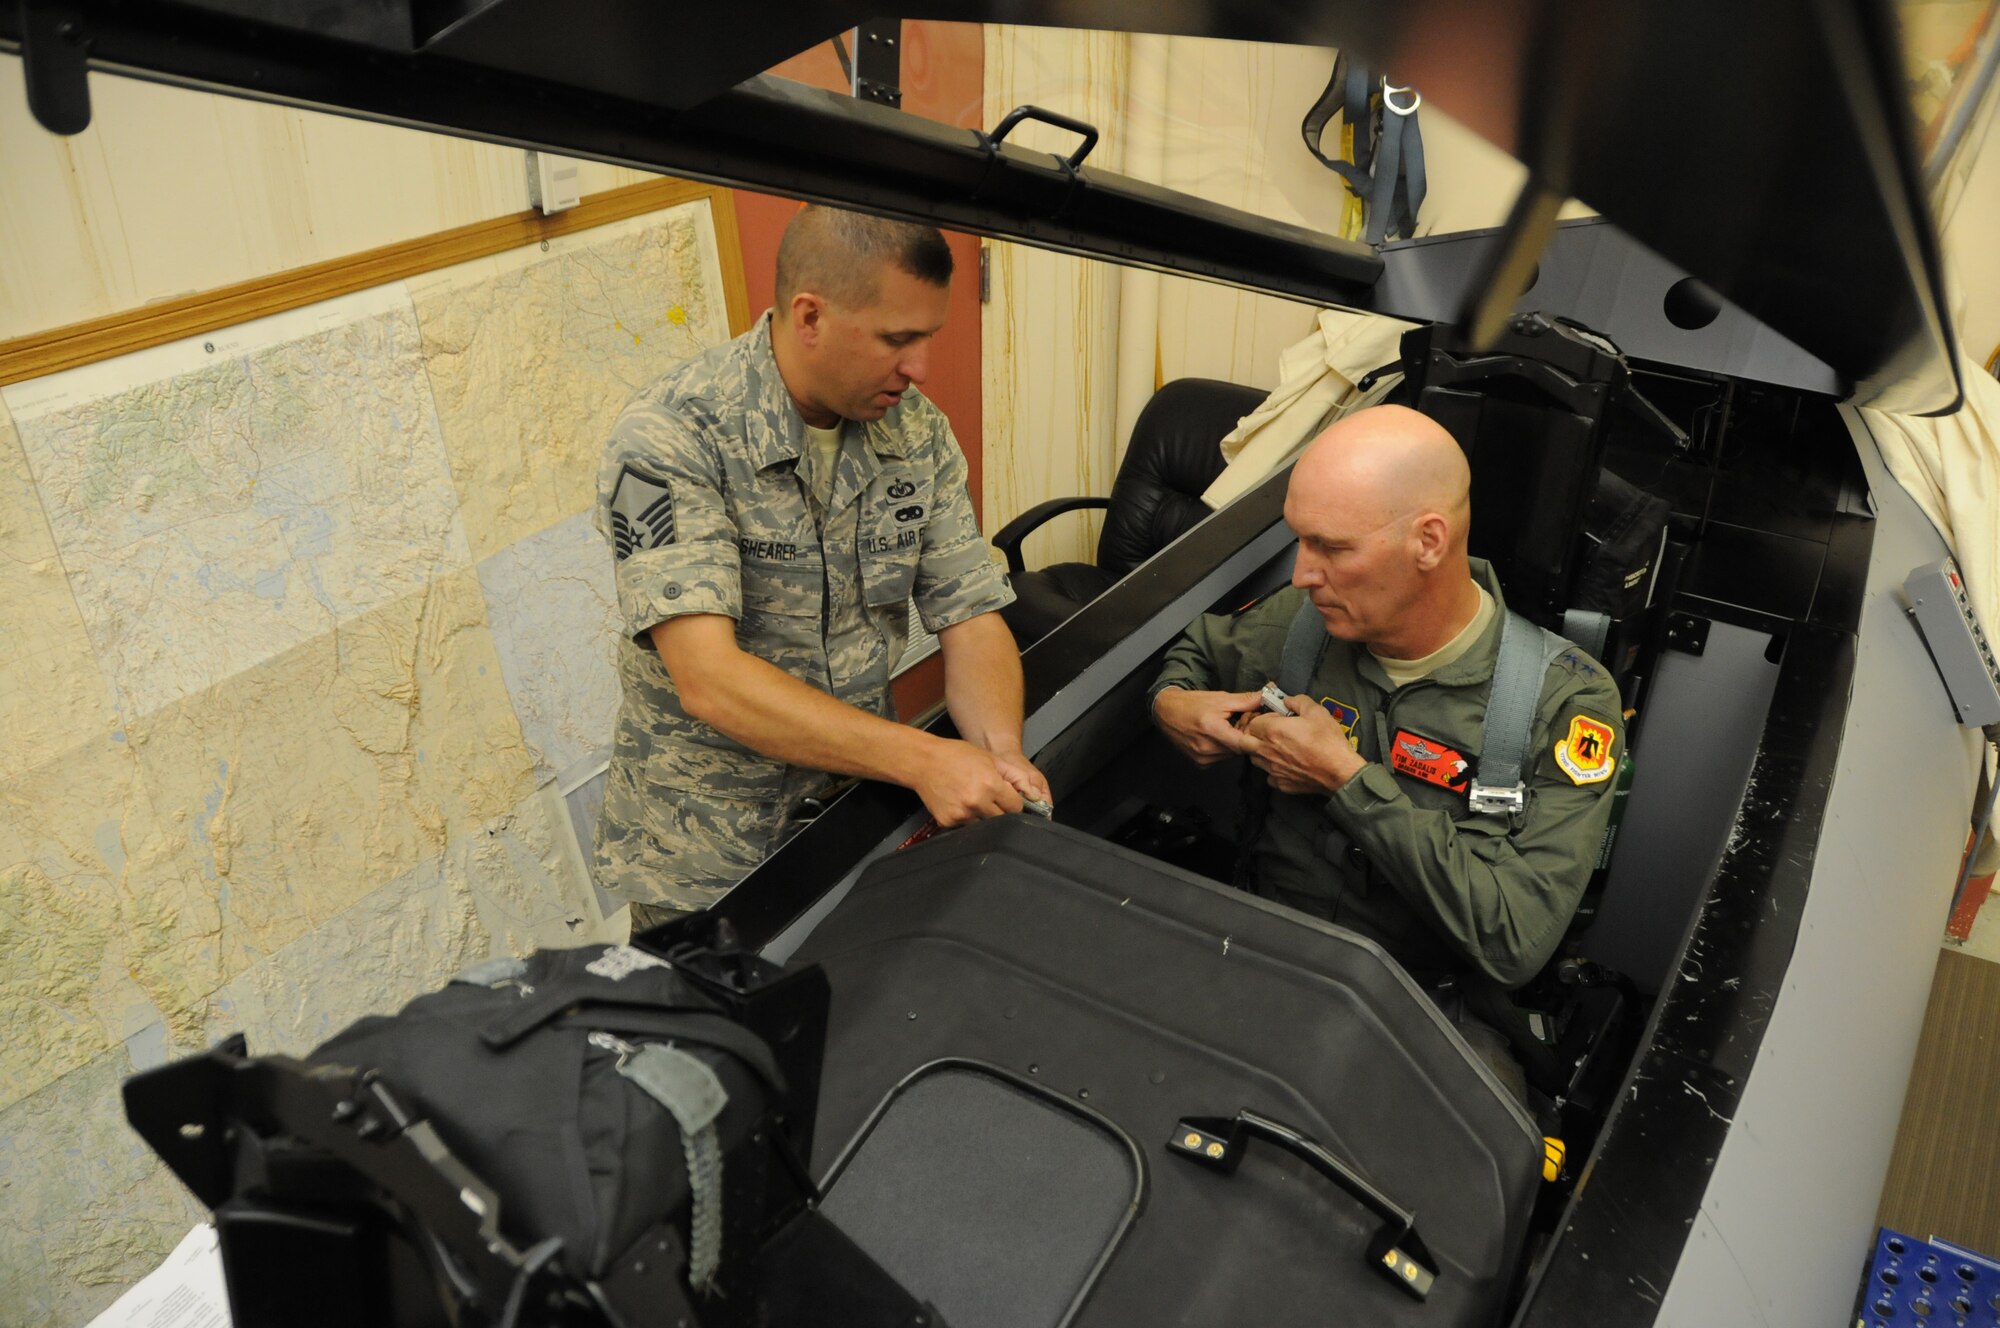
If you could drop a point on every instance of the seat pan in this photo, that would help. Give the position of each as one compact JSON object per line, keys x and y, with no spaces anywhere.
{"x":1045,"y":597}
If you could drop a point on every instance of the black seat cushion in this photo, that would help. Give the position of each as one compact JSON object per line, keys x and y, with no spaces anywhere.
{"x":1045,"y":597}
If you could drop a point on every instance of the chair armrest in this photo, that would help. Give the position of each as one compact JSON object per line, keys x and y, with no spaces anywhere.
{"x":1008,"y":538}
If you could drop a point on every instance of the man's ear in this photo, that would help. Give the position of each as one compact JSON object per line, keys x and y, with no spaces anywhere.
{"x":1433,"y":537}
{"x":808,"y":318}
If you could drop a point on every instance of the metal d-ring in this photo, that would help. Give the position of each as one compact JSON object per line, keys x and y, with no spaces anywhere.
{"x":1388,"y":98}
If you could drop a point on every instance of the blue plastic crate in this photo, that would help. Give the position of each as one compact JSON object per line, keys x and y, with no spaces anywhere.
{"x":1927,"y":1284}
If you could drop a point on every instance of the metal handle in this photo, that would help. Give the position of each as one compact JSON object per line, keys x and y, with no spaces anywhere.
{"x":1397,"y":1252}
{"x":1060,"y":121}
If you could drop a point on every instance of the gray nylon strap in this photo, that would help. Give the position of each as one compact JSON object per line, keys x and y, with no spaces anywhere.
{"x":1388,"y":168}
{"x":695,"y":1097}
{"x":1305,"y":642}
{"x":1525,"y":653}
{"x":1360,"y":85}
{"x":1589,"y":629}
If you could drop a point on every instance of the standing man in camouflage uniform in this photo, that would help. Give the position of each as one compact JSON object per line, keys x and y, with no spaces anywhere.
{"x":772,"y":507}
{"x":1368,"y":823}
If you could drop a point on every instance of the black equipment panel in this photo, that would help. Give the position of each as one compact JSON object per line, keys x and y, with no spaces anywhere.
{"x":1145,"y":996}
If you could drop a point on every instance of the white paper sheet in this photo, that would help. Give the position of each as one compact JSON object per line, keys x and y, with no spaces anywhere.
{"x":186,"y":1291}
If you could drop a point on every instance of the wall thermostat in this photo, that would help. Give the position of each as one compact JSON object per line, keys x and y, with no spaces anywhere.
{"x":554,"y":183}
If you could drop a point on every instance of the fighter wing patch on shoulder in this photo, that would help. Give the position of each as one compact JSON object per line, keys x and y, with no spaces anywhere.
{"x":1584,"y":753}
{"x":642,"y":514}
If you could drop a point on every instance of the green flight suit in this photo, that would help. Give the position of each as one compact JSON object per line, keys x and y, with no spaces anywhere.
{"x":1400,"y":856}
{"x":711,"y":501}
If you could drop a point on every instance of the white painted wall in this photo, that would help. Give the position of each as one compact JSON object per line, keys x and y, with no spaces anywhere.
{"x":170,"y":192}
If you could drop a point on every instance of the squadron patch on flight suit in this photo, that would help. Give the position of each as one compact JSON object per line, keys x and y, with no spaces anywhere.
{"x":642,"y":514}
{"x":1428,"y":759}
{"x":1585,"y":752}
{"x":1346,"y":716}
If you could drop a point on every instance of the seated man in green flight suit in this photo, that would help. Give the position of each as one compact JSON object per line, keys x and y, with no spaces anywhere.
{"x":1368,"y":823}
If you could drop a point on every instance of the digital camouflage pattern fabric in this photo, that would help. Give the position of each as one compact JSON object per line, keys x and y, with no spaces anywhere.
{"x":706,"y":496}
{"x":1398,"y":854}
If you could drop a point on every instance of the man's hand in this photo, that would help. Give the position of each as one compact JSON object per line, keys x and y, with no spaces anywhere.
{"x":1306,"y":752}
{"x":1019,"y":771}
{"x":960,"y":783}
{"x":1202,"y":724}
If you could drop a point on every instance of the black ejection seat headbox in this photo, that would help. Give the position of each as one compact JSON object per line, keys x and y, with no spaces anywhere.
{"x":1562,"y":533}
{"x":1528,"y":413}
{"x":1084,"y":975}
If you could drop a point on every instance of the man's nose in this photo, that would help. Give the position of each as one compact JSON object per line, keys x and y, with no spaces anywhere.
{"x":1304,"y":574}
{"x":915,"y":363}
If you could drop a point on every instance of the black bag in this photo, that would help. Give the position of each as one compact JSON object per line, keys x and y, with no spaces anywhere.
{"x":1622,"y":527}
{"x":517,"y":1065}
{"x":594,"y":1138}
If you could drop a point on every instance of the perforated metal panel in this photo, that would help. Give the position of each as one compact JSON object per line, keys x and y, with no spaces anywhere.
{"x":1928,"y":1284}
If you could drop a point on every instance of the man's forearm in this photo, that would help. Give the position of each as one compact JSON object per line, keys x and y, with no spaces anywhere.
{"x":982,"y":682}
{"x":771,"y":712}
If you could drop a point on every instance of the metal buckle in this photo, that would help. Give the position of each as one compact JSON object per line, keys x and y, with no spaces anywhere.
{"x":1493,"y":800}
{"x":613,"y":1043}
{"x":1389,"y":98}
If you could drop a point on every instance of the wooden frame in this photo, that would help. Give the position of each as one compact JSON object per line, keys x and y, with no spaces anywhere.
{"x":44,"y":353}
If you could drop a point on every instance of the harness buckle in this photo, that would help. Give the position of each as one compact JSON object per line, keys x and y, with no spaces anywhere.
{"x":1389,"y":98}
{"x":1498,"y":800}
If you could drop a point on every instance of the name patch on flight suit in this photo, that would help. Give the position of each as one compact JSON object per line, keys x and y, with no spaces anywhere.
{"x":1584,"y":753}
{"x":1428,"y":759}
{"x":1346,"y":716}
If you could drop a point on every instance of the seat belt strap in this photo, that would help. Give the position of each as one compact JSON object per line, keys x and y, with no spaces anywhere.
{"x":694,"y":1096}
{"x":1305,"y":643}
{"x":1526,"y":651}
{"x":1412,"y":183}
{"x":1589,"y":629}
{"x":1400,"y":181}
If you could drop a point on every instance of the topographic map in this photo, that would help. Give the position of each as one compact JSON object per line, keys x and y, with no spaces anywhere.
{"x":300,"y":620}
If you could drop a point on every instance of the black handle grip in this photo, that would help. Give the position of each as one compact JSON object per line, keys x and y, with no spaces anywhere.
{"x":1060,"y":121}
{"x":1397,"y":1252}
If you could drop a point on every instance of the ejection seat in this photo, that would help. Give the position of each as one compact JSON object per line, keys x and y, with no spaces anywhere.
{"x":1580,"y":551}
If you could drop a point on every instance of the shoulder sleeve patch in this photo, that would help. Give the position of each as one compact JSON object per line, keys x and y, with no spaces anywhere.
{"x":1584,"y":753}
{"x":642,"y":513}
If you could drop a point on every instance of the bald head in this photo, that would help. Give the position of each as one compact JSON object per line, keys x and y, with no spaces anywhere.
{"x":1381,"y":503}
{"x":1391,"y":462}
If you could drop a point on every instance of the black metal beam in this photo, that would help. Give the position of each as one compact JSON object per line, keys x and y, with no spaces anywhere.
{"x":1765,"y":148}
{"x":768,"y":133}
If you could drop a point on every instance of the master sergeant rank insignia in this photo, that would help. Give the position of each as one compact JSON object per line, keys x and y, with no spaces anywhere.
{"x":642,"y":514}
{"x":1585,"y":754}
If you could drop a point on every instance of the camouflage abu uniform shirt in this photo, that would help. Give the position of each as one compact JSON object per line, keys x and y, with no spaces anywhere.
{"x":707,"y":498}
{"x":1398,"y":854}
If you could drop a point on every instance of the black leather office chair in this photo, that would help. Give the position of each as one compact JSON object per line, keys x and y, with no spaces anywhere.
{"x":1156,"y":498}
